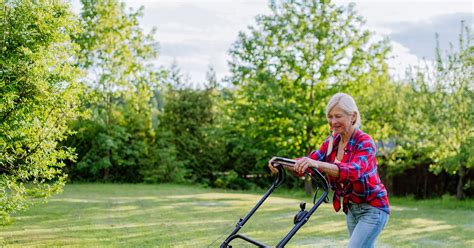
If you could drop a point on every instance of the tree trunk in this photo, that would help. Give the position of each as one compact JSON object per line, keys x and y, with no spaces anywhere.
{"x":425,"y":183}
{"x":308,"y":186}
{"x":108,"y":111}
{"x":459,"y":190}
{"x":106,"y":174}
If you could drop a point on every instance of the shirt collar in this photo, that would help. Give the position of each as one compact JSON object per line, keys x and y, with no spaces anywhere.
{"x":352,"y":140}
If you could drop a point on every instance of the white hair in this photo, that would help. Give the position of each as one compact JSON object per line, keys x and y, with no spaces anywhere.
{"x":348,"y":105}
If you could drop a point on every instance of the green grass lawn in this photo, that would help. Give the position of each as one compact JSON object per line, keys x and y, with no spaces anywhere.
{"x":113,"y":215}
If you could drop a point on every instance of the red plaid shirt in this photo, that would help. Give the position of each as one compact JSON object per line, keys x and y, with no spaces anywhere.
{"x":358,"y":180}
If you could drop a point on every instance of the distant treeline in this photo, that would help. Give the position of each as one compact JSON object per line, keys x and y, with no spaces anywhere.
{"x":81,"y":100}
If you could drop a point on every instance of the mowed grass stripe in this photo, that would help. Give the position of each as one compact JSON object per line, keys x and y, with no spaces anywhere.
{"x":135,"y":215}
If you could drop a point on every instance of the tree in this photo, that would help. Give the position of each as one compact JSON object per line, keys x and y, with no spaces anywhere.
{"x":381,"y":105}
{"x":189,"y":117}
{"x":439,"y":118}
{"x":39,"y":96}
{"x":454,"y":115}
{"x":116,"y":141}
{"x":285,"y":69}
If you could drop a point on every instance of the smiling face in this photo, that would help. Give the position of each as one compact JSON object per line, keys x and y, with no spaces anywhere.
{"x":339,"y":121}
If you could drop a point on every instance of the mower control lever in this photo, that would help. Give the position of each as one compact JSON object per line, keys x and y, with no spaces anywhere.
{"x":302,"y":206}
{"x":301,"y":214}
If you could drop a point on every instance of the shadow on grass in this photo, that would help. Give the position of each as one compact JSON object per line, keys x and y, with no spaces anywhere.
{"x":147,"y":215}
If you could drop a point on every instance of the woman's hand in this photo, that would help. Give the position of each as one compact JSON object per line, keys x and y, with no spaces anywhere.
{"x":304,"y":163}
{"x":271,"y":167}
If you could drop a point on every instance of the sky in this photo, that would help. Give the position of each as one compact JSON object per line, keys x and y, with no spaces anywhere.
{"x":198,"y":33}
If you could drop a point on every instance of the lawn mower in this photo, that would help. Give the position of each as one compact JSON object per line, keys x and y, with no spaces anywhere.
{"x":300,"y":218}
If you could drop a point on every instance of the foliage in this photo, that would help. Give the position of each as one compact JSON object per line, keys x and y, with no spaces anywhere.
{"x":446,"y":97}
{"x":189,"y":117}
{"x":140,"y":123}
{"x":284,"y":71}
{"x":39,"y":96}
{"x":165,"y":164}
{"x":429,"y":116}
{"x":119,"y":137}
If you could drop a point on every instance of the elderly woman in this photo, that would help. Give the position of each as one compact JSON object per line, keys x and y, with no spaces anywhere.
{"x":347,"y":157}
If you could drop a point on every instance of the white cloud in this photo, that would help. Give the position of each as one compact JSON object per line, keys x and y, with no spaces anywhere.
{"x":411,"y":27}
{"x":197,"y":33}
{"x":381,"y":12}
{"x":401,"y":59}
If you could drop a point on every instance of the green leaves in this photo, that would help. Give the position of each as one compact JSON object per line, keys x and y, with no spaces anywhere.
{"x":286,"y":68}
{"x":437,"y":113}
{"x":118,"y":139}
{"x":133,"y":122}
{"x":39,"y":96}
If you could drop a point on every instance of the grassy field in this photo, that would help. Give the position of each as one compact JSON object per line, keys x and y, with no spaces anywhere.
{"x":91,"y":215}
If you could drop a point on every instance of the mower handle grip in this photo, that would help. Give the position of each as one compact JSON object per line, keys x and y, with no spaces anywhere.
{"x":279,"y":161}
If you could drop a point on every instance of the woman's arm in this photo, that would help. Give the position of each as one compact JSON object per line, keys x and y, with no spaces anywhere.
{"x":317,"y":155}
{"x":305,"y":163}
{"x":331,"y":169}
{"x":352,"y":170}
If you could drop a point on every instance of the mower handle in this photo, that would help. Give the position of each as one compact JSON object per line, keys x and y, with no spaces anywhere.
{"x":303,"y":215}
{"x":300,"y":219}
{"x":278,"y":162}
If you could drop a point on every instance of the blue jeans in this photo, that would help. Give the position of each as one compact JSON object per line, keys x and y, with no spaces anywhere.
{"x":364,"y":223}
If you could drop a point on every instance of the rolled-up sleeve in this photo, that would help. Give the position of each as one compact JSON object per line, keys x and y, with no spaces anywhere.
{"x":362,"y":158}
{"x":319,"y":155}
